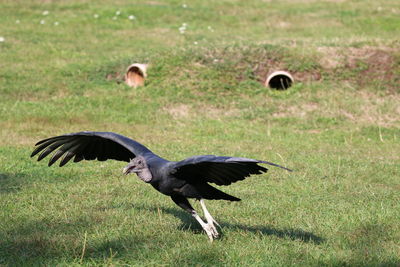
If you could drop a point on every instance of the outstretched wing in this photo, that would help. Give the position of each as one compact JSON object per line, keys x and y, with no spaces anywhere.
{"x":89,"y":146}
{"x":218,"y":170}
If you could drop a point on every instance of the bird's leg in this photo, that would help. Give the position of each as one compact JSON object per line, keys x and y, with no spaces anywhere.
{"x":212,"y":233}
{"x":210,"y":219}
{"x":184,"y":204}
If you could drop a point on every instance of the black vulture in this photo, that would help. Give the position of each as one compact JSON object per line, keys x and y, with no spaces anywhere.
{"x":189,"y":178}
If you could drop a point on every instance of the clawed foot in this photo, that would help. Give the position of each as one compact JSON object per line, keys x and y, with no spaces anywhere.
{"x":211,"y":231}
{"x":209,"y":227}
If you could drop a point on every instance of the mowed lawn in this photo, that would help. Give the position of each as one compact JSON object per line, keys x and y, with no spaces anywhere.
{"x":61,"y":70}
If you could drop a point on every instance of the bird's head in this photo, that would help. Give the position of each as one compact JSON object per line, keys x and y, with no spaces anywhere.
{"x":139,"y":166}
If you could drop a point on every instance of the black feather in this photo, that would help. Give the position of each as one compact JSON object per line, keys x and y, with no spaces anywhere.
{"x":41,"y":147}
{"x":69,"y":155}
{"x":218,"y":170}
{"x":64,"y":148}
{"x":91,"y":146}
{"x":50,"y":149}
{"x":55,"y":157}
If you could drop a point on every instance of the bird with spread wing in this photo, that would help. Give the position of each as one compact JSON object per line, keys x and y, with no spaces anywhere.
{"x":189,"y":178}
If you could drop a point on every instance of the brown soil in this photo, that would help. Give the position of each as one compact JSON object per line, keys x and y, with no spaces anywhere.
{"x":379,"y":65}
{"x":366,"y":66}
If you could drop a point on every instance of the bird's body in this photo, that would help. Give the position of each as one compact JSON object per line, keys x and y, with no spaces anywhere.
{"x":164,"y":181}
{"x":189,"y":178}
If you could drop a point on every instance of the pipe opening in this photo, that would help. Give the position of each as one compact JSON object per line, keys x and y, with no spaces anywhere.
{"x":136,"y":75}
{"x":279,"y":80}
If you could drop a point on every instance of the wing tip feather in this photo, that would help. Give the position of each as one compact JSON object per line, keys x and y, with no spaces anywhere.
{"x":275,"y":165}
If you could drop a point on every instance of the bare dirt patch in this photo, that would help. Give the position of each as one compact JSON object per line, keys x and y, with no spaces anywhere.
{"x":376,"y":66}
{"x":378,"y":57}
{"x":178,"y":111}
{"x":379,"y":65}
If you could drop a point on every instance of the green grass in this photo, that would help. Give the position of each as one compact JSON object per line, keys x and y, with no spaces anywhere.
{"x":337,"y":127}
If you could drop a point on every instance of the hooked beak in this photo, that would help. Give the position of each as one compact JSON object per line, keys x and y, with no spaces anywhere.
{"x":129,"y":169}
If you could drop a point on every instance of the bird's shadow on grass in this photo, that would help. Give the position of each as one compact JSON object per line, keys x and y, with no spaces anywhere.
{"x":189,"y":224}
{"x":45,"y":240}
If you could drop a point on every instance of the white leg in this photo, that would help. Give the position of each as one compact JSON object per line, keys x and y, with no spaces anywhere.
{"x":205,"y":226}
{"x":209,"y":218}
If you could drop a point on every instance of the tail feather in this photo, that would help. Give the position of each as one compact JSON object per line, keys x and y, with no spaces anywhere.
{"x":209,"y":192}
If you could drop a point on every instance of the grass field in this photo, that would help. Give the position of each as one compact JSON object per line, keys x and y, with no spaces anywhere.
{"x":61,"y":70}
